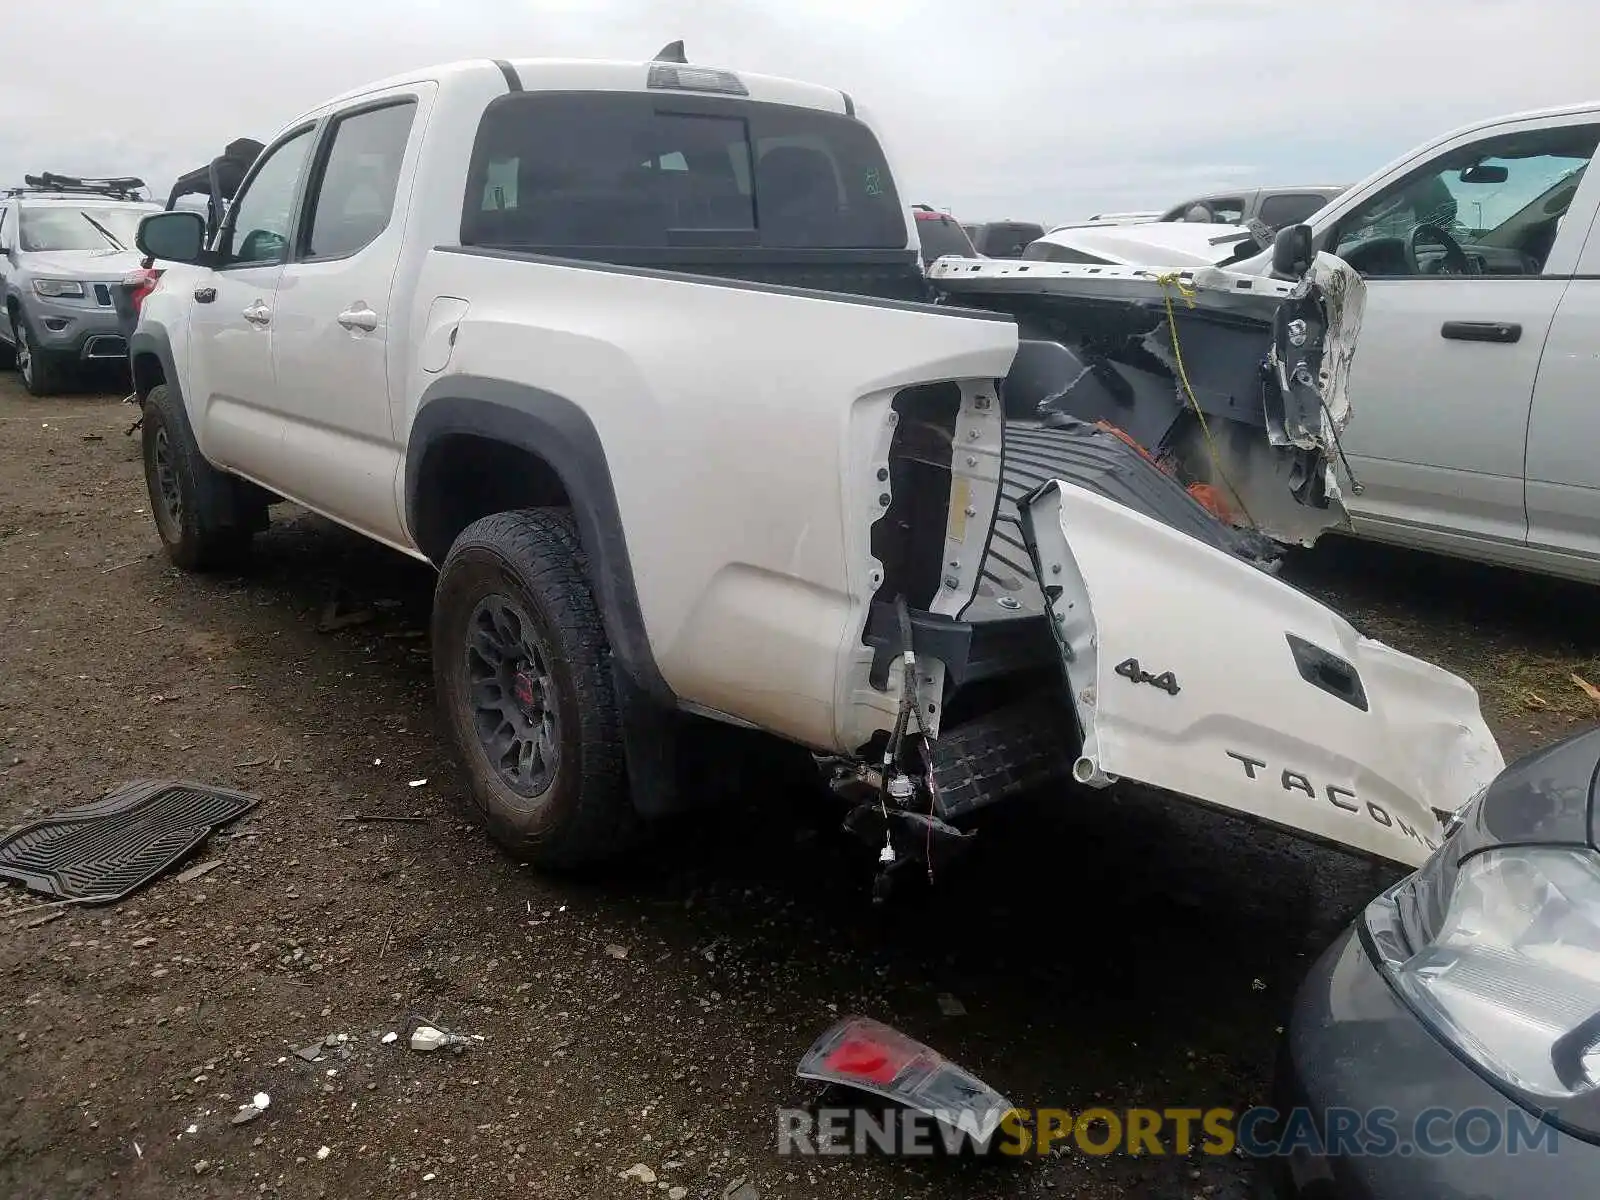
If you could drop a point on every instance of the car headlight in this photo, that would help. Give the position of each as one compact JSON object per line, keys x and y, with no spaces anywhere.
{"x":58,"y":287}
{"x":1501,"y":955}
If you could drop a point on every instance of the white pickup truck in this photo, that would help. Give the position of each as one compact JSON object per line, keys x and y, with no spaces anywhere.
{"x":641,"y":357}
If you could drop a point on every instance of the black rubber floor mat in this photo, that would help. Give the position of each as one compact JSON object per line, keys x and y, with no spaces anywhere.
{"x":104,"y":850}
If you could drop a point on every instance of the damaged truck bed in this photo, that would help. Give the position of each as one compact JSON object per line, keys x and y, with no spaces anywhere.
{"x":1163,"y":438}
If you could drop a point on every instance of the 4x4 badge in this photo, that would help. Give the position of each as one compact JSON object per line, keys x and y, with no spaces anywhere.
{"x":1129,"y":668}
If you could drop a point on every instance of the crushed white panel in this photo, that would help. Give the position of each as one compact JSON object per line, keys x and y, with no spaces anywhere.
{"x":1180,"y":667}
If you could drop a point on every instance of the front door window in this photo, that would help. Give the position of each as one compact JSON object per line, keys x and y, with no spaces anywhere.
{"x":257,"y":232}
{"x":1493,"y":207}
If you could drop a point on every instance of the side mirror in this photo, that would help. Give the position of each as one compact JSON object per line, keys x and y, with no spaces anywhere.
{"x":175,"y":236}
{"x":1292,"y":251}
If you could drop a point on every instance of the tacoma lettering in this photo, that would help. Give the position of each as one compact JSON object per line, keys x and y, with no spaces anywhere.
{"x":1340,"y":797}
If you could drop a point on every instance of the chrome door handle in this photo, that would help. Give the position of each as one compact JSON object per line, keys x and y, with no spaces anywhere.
{"x":258,"y":313}
{"x":359,"y":318}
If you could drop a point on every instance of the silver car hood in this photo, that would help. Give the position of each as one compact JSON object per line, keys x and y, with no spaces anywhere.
{"x":107,"y":264}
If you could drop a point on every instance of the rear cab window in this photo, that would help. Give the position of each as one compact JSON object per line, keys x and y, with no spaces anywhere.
{"x":1216,"y":210}
{"x":1290,"y":208}
{"x":603,"y":173}
{"x":1008,"y":239}
{"x":941,"y":234}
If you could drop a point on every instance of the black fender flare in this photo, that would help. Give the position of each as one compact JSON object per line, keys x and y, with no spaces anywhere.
{"x":556,"y":430}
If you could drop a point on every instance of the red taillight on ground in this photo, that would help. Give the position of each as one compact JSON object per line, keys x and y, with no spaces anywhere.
{"x":140,"y":284}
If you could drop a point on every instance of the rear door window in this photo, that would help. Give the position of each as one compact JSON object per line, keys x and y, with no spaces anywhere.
{"x":559,"y":171}
{"x":355,"y":194}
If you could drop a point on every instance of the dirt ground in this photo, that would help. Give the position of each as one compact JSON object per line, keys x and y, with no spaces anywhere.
{"x":1100,"y":953}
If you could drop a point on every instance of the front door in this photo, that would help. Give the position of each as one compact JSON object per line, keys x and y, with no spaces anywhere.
{"x":333,"y":318}
{"x":231,"y":318}
{"x":1466,"y":258}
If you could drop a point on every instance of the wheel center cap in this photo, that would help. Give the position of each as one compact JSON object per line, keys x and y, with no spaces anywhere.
{"x":525,"y":688}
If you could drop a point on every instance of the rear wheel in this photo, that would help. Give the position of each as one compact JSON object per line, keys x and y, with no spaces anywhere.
{"x":43,"y":371}
{"x":198,"y":511}
{"x":523,"y":673}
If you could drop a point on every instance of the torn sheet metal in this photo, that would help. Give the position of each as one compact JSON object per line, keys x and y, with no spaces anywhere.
{"x":1250,"y":401}
{"x":1200,"y":675}
{"x":1313,"y":346}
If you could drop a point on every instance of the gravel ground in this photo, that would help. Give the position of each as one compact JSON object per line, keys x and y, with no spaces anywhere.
{"x":1122,"y":953}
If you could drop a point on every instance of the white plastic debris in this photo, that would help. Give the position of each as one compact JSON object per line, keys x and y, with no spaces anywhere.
{"x":261,"y":1100}
{"x":617,"y":951}
{"x":429,"y":1177}
{"x":390,"y":1038}
{"x":324,"y":1152}
{"x":426,"y":1038}
{"x":419,"y":783}
{"x":640,"y":1172}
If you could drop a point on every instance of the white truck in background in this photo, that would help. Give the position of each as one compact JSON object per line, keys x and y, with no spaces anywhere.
{"x":640,"y":356}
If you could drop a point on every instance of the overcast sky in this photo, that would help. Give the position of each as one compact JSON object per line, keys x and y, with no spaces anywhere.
{"x":1033,"y":109}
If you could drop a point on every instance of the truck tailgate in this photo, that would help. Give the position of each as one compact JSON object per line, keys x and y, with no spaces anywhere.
{"x":1192,"y":671}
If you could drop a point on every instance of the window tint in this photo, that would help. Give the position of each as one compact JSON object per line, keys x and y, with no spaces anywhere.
{"x":1504,"y":194}
{"x":1290,"y":208}
{"x":1007,"y":239}
{"x":355,"y":197}
{"x":941,"y":235}
{"x":258,"y":229}
{"x":1050,"y":252}
{"x":625,"y":170}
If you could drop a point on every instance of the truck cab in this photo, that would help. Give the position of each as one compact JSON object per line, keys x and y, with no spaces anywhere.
{"x":1473,"y":379}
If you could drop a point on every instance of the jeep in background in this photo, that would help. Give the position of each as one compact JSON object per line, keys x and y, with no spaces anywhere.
{"x":65,"y":246}
{"x":641,"y":357}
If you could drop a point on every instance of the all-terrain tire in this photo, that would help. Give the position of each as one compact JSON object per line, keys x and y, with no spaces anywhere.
{"x":199,"y":514}
{"x":44,"y":373}
{"x":523,"y":673}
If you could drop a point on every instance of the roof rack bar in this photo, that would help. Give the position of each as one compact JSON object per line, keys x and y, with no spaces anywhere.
{"x":120,"y":187}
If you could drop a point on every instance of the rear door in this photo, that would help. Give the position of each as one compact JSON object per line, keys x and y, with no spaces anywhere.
{"x":334,"y":322}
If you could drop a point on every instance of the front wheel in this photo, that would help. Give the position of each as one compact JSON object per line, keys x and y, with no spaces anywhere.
{"x":523,"y":673}
{"x":43,"y":372}
{"x":197,"y":509}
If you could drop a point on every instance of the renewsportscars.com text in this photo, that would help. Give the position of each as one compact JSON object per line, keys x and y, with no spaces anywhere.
{"x":1253,"y":1133}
